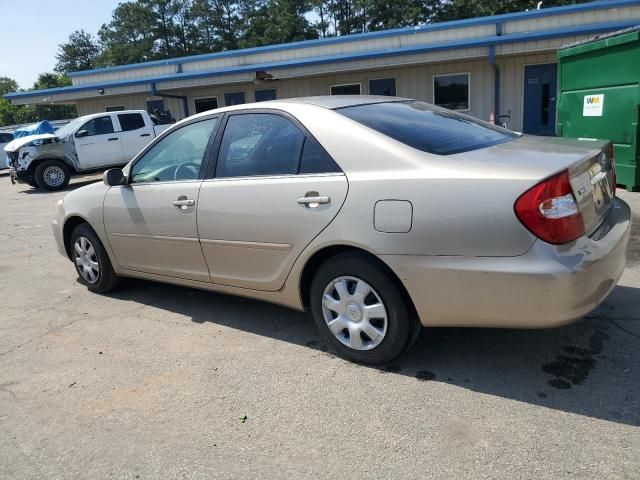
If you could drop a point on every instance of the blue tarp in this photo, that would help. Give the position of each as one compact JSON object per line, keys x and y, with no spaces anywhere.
{"x":35,"y":129}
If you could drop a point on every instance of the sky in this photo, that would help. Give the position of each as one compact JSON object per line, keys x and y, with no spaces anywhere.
{"x":31,"y":30}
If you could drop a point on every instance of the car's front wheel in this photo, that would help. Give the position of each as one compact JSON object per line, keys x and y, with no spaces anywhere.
{"x":52,"y":175}
{"x":91,"y":260}
{"x":360,"y":310}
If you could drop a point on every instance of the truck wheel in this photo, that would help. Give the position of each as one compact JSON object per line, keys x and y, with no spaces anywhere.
{"x":52,"y":175}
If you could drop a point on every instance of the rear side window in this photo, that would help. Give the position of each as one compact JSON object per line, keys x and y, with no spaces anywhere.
{"x":130,"y":121}
{"x":428,"y":128}
{"x":259,"y":144}
{"x":314,"y":160}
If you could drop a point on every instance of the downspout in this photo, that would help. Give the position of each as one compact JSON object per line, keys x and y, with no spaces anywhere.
{"x":185,"y":102}
{"x":496,"y":74}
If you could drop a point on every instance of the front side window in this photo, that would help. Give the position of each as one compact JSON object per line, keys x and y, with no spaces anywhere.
{"x":351,"y":89}
{"x":130,"y":121}
{"x":259,"y":144}
{"x":428,"y":128}
{"x":177,"y":156}
{"x":97,"y":126}
{"x":451,"y":91}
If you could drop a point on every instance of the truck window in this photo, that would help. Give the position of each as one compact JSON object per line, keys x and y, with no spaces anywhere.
{"x":130,"y":121}
{"x":98,"y":126}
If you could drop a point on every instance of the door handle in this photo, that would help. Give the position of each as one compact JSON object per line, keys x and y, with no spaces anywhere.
{"x":145,"y":134}
{"x":112,"y":139}
{"x":183,"y":203}
{"x":313,"y":200}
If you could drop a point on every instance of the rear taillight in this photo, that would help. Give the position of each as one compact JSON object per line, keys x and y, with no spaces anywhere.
{"x":549,"y":210}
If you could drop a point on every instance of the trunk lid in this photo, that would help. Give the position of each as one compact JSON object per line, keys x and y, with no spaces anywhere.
{"x":588,"y":161}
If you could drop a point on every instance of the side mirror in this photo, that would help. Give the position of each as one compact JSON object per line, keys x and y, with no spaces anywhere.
{"x":81,"y":133}
{"x":113,"y":177}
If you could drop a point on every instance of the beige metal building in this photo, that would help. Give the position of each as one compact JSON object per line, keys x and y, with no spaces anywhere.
{"x":503,"y":64}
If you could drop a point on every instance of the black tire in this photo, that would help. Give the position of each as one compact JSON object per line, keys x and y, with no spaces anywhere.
{"x":106,"y":279}
{"x":399,"y":322}
{"x":52,"y":175}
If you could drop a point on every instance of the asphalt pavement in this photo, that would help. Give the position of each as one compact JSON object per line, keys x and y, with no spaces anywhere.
{"x":158,"y":381}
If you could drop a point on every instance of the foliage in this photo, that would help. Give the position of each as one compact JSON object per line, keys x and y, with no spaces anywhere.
{"x":79,"y":53}
{"x":142,"y":30}
{"x":20,"y":114}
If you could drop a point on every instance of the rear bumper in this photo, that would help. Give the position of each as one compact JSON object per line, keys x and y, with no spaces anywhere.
{"x":549,"y":286}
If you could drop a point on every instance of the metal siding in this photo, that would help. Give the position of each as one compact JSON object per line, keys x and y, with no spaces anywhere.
{"x":570,"y":19}
{"x":123,"y":75}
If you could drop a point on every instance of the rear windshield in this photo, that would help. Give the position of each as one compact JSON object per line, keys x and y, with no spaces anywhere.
{"x":428,"y":128}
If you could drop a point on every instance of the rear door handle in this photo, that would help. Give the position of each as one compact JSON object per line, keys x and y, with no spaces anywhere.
{"x":112,"y":139}
{"x":145,"y":134}
{"x":183,"y":202}
{"x":313,"y":201}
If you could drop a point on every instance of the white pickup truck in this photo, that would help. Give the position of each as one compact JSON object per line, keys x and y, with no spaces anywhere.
{"x":92,"y":142}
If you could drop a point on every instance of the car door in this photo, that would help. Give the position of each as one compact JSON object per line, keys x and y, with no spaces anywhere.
{"x":98,"y":144}
{"x":135,"y":134}
{"x":151,"y":221}
{"x":274,"y":189}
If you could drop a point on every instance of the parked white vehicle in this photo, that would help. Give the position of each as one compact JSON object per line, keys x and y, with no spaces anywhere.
{"x":92,"y":142}
{"x":5,"y":138}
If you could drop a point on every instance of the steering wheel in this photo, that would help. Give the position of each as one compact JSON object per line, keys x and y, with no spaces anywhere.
{"x":186,"y":171}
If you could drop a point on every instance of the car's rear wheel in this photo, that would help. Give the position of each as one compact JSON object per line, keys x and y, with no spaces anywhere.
{"x":91,"y":260}
{"x":52,"y":175}
{"x":360,"y":310}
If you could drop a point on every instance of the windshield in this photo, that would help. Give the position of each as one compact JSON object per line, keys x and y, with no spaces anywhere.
{"x":69,"y":127}
{"x":428,"y":128}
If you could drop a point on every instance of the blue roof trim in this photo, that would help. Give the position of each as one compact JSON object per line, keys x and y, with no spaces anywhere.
{"x":567,"y":9}
{"x":339,"y":58}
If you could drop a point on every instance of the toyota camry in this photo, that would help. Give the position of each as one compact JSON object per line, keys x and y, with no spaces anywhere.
{"x":378,"y":214}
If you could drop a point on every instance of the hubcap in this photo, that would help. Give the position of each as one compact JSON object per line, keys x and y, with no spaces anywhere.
{"x":86,"y":260}
{"x":355,"y":313}
{"x":53,"y":176}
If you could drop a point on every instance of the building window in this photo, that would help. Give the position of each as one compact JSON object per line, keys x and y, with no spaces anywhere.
{"x":204,"y":104}
{"x":265,"y":95}
{"x":233,"y":98}
{"x":451,"y":91}
{"x":349,"y":89}
{"x":114,"y":108}
{"x":383,"y":86}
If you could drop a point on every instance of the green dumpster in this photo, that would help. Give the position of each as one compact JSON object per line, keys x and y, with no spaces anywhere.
{"x":599,"y":93}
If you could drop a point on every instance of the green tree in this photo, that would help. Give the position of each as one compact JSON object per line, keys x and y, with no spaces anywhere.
{"x":36,"y":113}
{"x":7,"y":111}
{"x":279,"y":21}
{"x":129,"y":37}
{"x":79,"y":53}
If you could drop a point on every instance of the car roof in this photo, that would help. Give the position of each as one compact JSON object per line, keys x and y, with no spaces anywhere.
{"x":331,"y":102}
{"x":341,"y":101}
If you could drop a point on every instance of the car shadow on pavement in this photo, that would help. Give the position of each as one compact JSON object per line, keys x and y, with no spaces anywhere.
{"x":588,"y":368}
{"x":29,"y":190}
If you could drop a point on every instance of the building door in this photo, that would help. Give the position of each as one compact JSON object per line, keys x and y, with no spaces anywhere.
{"x":540,"y":85}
